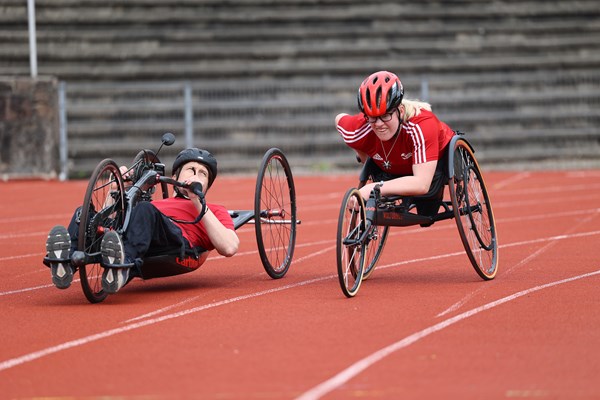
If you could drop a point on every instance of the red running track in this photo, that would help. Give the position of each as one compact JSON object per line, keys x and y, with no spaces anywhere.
{"x":423,"y":326}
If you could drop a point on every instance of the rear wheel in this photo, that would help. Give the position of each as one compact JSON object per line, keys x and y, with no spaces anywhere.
{"x":103,"y":210}
{"x":473,"y":212}
{"x":350,"y":246}
{"x":275,"y":213}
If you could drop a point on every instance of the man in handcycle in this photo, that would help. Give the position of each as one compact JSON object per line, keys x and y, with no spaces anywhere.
{"x":160,"y":226}
{"x":400,"y":141}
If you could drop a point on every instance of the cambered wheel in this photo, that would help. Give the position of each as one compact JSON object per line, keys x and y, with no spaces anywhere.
{"x":350,"y":246}
{"x":473,"y":212}
{"x":103,"y":210}
{"x":275,"y":213}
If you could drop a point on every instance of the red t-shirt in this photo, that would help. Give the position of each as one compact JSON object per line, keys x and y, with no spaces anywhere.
{"x":423,"y":138}
{"x":184,"y":209}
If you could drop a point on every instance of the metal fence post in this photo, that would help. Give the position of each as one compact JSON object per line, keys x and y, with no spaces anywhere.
{"x":424,"y":89}
{"x":189,"y":115}
{"x":32,"y":38}
{"x":63,"y":144}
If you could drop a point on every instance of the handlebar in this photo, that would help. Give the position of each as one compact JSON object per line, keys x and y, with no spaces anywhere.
{"x":195,"y":187}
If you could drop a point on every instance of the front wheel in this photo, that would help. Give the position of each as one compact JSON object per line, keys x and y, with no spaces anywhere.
{"x":103,"y":210}
{"x":145,"y":161}
{"x":350,"y":246}
{"x":275,"y":213}
{"x":473,"y":212}
{"x":375,"y":243}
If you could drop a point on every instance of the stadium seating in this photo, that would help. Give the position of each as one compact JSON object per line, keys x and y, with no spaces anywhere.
{"x":522,"y":78}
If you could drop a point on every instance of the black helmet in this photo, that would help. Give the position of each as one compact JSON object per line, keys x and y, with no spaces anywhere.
{"x":198,"y":155}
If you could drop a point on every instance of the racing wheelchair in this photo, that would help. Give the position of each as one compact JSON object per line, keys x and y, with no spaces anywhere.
{"x":363,"y":227}
{"x":110,"y":199}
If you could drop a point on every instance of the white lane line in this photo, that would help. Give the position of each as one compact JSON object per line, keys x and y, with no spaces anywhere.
{"x":19,"y":291}
{"x":353,"y":370}
{"x":22,"y":235}
{"x":526,"y":242}
{"x":510,"y":180}
{"x":167,"y":308}
{"x":40,"y":255}
{"x":13,"y":362}
{"x":524,"y":261}
{"x":88,"y":339}
{"x":12,"y":220}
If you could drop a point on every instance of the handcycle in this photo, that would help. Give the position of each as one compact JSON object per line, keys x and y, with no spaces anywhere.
{"x":108,"y":203}
{"x":363,"y":227}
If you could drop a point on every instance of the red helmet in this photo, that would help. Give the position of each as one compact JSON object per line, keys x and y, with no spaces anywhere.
{"x":380,"y":93}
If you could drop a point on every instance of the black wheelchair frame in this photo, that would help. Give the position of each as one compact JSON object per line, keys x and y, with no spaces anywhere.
{"x":363,"y":227}
{"x":274,"y":217}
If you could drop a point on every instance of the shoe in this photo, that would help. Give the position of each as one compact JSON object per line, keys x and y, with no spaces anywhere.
{"x":58,"y":245}
{"x":113,"y":252}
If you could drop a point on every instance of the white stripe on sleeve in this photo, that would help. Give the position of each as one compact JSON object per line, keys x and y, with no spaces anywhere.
{"x":418,"y":139}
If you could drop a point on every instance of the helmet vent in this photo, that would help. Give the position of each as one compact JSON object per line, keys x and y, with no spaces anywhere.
{"x":378,"y":97}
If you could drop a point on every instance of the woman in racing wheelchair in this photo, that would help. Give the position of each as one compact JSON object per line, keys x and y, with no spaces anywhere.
{"x":400,"y":141}
{"x":156,"y":227}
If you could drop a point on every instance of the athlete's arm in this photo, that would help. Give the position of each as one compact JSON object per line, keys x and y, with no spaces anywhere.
{"x":225,"y":240}
{"x":412,"y":185}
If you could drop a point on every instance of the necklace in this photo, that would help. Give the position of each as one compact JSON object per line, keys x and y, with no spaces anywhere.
{"x":386,"y":163}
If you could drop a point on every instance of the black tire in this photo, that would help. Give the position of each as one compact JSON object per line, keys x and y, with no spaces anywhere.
{"x":473,"y":211}
{"x":374,"y":247}
{"x":275,"y":213}
{"x":103,"y":210}
{"x":144,"y":161}
{"x":350,"y":252}
{"x":375,"y":244}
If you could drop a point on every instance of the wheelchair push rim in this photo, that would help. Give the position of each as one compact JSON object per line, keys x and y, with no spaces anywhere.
{"x":103,"y":210}
{"x":473,"y":212}
{"x":350,"y":245}
{"x":275,"y":213}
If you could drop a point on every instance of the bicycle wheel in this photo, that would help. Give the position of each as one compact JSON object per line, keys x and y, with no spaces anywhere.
{"x":473,"y":212}
{"x":375,"y":243}
{"x":275,"y":213}
{"x":350,"y":246}
{"x":374,"y":247}
{"x":103,"y":210}
{"x":145,"y":161}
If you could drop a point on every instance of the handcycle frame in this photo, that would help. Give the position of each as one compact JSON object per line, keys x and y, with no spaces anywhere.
{"x":274,"y":204}
{"x":363,"y":228}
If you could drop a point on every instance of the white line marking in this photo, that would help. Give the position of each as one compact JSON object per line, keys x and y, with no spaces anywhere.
{"x":365,"y":363}
{"x":510,"y":180}
{"x":13,"y":362}
{"x":18,"y":291}
{"x":78,"y":342}
{"x":22,"y":235}
{"x":41,"y":255}
{"x":12,"y":220}
{"x":167,"y":308}
{"x":465,"y":299}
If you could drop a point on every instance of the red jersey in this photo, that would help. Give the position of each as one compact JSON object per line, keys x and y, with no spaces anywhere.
{"x":423,"y":138}
{"x":184,"y":209}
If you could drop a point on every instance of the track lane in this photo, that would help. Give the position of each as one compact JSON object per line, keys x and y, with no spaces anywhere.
{"x":300,"y":334}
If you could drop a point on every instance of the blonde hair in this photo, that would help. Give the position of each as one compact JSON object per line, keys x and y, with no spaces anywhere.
{"x":413,"y":108}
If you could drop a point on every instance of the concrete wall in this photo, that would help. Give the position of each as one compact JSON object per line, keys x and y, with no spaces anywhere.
{"x":29,"y":127}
